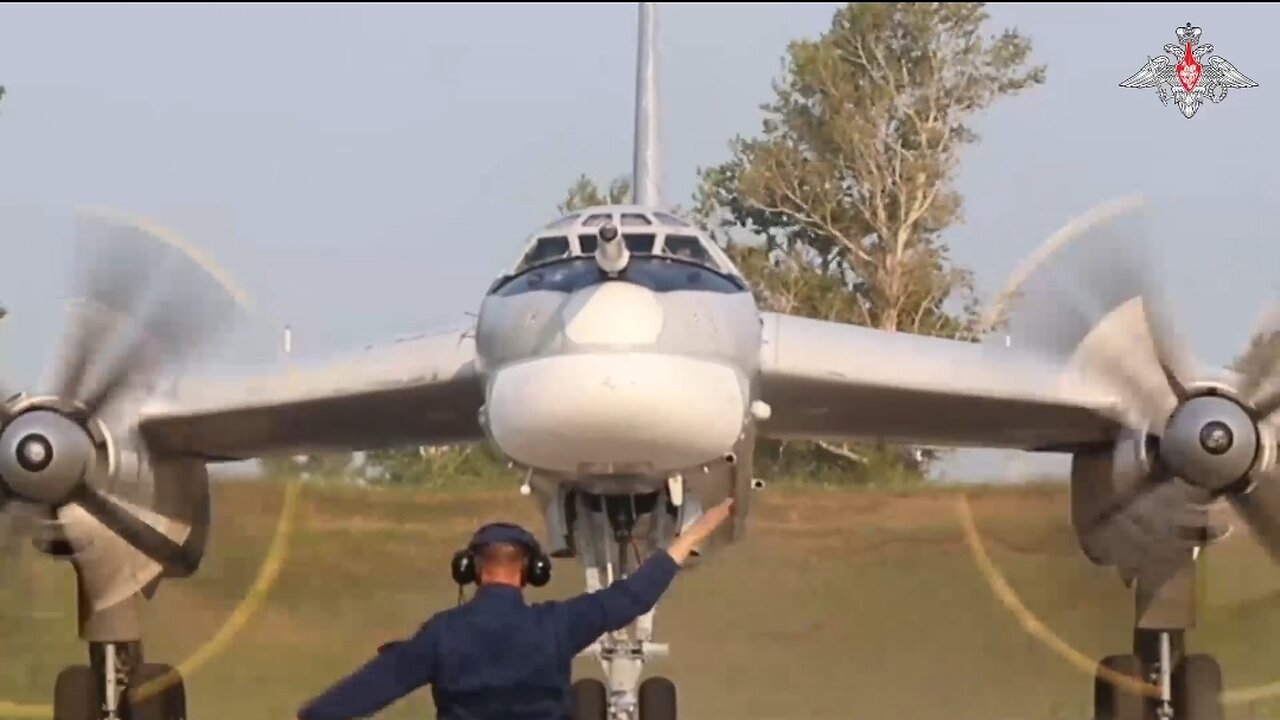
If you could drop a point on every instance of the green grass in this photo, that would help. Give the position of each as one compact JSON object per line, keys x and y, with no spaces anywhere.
{"x":839,"y":604}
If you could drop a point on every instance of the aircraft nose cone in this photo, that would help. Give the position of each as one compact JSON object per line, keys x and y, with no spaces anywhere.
{"x":613,"y":313}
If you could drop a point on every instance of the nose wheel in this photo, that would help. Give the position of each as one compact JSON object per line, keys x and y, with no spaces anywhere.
{"x":590,"y":700}
{"x":657,"y":701}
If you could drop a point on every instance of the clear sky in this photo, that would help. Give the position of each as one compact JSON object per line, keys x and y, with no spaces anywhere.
{"x":365,"y":171}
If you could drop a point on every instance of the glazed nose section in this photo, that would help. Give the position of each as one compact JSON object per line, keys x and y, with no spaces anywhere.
{"x":613,"y":314}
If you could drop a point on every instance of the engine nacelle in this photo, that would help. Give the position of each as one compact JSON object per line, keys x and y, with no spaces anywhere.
{"x":168,"y":494}
{"x":1098,"y":478}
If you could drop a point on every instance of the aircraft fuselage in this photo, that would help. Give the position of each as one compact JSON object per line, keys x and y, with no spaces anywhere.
{"x":640,"y":375}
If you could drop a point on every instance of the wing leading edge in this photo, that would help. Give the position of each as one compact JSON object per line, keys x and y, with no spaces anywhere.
{"x":423,"y":390}
{"x":833,"y":381}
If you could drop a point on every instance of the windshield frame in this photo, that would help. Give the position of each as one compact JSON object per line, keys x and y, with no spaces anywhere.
{"x":646,"y":260}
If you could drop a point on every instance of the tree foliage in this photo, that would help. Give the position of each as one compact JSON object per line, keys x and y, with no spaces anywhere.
{"x":845,"y":195}
{"x":328,"y":466}
{"x":1262,"y":357}
{"x":850,"y":183}
{"x":584,"y":193}
{"x":445,"y":466}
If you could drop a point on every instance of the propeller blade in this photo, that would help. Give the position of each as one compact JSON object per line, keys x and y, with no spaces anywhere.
{"x":7,"y":393}
{"x":153,"y":301}
{"x":1126,"y":498}
{"x":110,"y":569}
{"x":111,"y":269}
{"x":1085,"y":296}
{"x":1171,"y":353}
{"x":1152,"y":526}
{"x":156,"y":536}
{"x":1260,"y":508}
{"x":1267,"y":403}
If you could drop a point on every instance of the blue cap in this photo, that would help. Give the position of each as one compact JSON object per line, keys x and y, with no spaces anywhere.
{"x":504,"y":533}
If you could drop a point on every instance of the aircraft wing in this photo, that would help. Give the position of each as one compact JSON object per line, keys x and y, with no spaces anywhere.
{"x":418,"y":391}
{"x":832,"y":381}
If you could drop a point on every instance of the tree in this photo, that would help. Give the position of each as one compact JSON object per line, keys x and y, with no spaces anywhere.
{"x":330,"y":466}
{"x":584,"y":193}
{"x":1262,"y":358}
{"x":849,"y":187}
{"x":852,"y":176}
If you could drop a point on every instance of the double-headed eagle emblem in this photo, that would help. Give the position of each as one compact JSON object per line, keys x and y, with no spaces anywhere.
{"x":1186,"y":77}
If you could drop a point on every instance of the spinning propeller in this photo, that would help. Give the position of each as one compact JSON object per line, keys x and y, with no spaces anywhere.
{"x":1210,"y":432}
{"x":146,"y":302}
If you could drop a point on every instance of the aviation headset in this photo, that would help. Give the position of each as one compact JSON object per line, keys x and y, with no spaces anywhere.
{"x":465,"y":564}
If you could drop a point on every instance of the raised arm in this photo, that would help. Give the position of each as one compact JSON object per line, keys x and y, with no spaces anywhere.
{"x":588,"y":616}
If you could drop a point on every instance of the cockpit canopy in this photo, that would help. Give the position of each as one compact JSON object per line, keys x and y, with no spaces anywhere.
{"x":646,"y":232}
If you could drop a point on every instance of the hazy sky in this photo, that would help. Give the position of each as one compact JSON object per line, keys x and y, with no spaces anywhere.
{"x":365,"y":171}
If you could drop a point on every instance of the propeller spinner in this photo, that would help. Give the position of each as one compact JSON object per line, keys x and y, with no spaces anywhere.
{"x":1213,"y":433}
{"x":146,"y":302}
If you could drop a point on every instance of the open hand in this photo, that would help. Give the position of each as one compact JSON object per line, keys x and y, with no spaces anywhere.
{"x":699,"y":530}
{"x":710,"y":520}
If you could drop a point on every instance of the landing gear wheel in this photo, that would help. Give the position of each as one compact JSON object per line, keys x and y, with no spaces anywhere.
{"x":1113,"y":702}
{"x":1197,"y":689}
{"x":169,"y":703}
{"x":657,"y":699}
{"x":590,"y":700}
{"x":76,"y":694}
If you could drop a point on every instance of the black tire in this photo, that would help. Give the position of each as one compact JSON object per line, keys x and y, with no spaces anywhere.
{"x":1197,"y":689}
{"x":76,"y":695}
{"x":169,"y":703}
{"x":1113,"y":702}
{"x":590,"y":700}
{"x":657,"y":699}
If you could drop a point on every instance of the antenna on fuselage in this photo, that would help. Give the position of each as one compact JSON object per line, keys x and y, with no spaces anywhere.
{"x":646,"y":171}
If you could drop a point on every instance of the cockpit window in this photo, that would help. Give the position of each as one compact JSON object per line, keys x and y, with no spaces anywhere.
{"x":654,"y":272}
{"x":639,"y":244}
{"x":546,"y":248}
{"x":669,"y":219}
{"x":687,"y":247}
{"x":587,"y":244}
{"x":633,"y":219}
{"x":597,"y":220}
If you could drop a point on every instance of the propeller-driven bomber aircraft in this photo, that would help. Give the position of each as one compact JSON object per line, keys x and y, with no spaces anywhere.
{"x":624,"y":367}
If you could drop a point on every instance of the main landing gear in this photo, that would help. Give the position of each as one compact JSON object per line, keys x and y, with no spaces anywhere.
{"x":101,"y":689}
{"x":1189,"y":687}
{"x":604,"y":539}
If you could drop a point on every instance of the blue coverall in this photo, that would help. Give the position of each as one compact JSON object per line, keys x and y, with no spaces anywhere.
{"x":495,"y":656}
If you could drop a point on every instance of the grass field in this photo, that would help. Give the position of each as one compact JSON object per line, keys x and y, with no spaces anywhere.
{"x":840,"y":604}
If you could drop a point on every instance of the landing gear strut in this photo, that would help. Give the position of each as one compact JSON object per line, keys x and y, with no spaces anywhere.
{"x":605,"y":540}
{"x":1188,"y":687}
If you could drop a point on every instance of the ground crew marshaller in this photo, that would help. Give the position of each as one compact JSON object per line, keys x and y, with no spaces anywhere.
{"x":496,"y":657}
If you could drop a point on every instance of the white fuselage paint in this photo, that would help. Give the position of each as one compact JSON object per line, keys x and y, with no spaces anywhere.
{"x":613,"y":314}
{"x":616,"y":413}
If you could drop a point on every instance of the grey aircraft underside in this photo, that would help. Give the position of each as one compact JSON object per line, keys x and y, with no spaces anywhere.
{"x":624,"y":367}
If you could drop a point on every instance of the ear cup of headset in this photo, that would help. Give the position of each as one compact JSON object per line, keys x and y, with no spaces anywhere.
{"x":463,"y":567}
{"x":538,"y":570}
